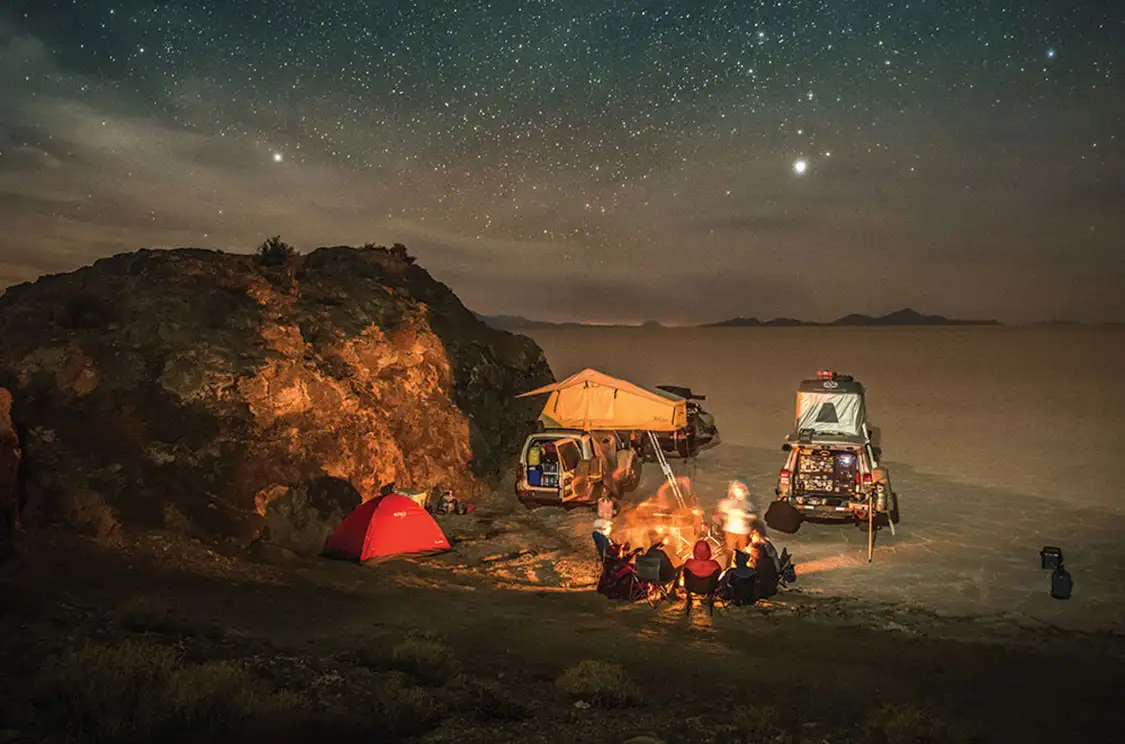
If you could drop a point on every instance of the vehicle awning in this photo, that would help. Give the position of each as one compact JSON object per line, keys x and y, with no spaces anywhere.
{"x":591,"y":400}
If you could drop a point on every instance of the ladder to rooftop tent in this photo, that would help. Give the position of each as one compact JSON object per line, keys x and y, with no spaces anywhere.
{"x":667,"y":470}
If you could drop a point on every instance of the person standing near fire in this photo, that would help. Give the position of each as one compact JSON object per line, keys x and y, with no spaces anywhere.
{"x":607,"y":510}
{"x":736,"y":511}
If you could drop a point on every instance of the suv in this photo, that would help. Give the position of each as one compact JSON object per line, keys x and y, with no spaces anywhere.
{"x":832,"y":471}
{"x":568,"y":466}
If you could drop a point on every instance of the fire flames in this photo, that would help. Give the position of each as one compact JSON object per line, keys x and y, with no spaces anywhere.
{"x":662,"y":518}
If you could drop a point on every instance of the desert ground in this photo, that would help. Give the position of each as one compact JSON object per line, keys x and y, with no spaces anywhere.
{"x":1000,"y":441}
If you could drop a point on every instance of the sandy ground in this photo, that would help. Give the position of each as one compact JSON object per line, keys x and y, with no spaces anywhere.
{"x":1000,"y":441}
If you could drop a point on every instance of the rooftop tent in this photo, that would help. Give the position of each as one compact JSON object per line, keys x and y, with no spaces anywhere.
{"x":385,"y":527}
{"x":592,"y":400}
{"x":831,"y":406}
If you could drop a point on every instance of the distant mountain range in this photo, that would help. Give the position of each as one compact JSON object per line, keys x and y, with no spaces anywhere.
{"x":904,"y":317}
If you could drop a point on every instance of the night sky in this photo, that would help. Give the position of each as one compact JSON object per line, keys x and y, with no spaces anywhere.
{"x":597,"y":160}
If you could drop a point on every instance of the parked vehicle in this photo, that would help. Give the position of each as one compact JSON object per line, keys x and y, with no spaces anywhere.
{"x":700,"y":432}
{"x":572,"y":467}
{"x":832,"y":469}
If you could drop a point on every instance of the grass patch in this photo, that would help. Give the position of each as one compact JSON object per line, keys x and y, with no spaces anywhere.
{"x":153,"y":614}
{"x":138,"y":690}
{"x":599,"y":683}
{"x":488,"y":700}
{"x":756,"y":724}
{"x":425,"y":659}
{"x":908,"y":724}
{"x":399,"y":709}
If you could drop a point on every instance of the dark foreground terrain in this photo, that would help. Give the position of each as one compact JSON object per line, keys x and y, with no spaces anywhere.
{"x":163,"y":639}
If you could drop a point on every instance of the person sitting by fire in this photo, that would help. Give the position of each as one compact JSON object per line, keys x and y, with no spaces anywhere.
{"x":764,"y":559}
{"x":701,"y":564}
{"x":656,"y":548}
{"x":736,"y":511}
{"x":740,"y":584}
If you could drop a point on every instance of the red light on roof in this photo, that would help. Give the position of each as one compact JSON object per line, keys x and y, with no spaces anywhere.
{"x":825,"y":374}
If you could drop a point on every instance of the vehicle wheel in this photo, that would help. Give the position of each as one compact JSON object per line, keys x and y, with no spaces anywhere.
{"x":630,"y":484}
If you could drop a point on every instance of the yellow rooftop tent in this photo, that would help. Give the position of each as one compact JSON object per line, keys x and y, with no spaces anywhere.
{"x":591,"y":400}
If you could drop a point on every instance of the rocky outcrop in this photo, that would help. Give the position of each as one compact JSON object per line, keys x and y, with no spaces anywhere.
{"x":10,"y":455}
{"x":216,"y":395}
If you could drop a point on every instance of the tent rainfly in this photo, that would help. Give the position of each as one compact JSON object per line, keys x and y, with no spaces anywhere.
{"x":832,"y":406}
{"x":591,"y":400}
{"x":385,"y":527}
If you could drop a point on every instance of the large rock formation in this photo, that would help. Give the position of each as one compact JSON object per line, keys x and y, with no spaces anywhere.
{"x":220,"y":396}
{"x":10,"y":455}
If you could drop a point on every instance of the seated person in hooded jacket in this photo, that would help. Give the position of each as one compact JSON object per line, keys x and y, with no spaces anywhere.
{"x":656,"y":548}
{"x":740,"y":584}
{"x":701,"y":563}
{"x":764,"y":559}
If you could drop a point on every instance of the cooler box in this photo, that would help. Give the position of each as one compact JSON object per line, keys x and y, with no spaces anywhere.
{"x":534,"y":477}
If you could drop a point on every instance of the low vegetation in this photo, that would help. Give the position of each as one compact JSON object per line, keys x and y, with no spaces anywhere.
{"x":425,"y":659}
{"x":908,"y":724}
{"x":600,"y":684}
{"x":276,"y":252}
{"x":756,"y":724}
{"x":139,"y":690}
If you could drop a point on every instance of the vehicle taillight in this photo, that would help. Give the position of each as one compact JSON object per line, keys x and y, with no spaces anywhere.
{"x":866,"y":478}
{"x":825,"y":374}
{"x":784,"y":474}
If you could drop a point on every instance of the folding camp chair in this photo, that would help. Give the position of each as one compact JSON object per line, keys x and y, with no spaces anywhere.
{"x":704,"y":587}
{"x":660,"y":587}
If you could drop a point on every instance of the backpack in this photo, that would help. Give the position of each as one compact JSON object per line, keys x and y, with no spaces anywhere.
{"x":784,"y":517}
{"x":1061,"y":583}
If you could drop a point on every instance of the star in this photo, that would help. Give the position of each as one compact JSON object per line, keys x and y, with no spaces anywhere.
{"x":800,"y":166}
{"x":277,"y":157}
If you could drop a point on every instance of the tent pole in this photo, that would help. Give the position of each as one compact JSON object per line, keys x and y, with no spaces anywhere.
{"x":667,"y":469}
{"x":870,"y":527}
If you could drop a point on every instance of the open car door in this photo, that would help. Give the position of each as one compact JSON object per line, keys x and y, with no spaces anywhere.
{"x":576,"y":477}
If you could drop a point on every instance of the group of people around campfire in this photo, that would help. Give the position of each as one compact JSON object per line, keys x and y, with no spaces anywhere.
{"x":754,"y":568}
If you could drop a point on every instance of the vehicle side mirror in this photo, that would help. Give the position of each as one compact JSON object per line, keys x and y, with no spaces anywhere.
{"x":786,"y":447}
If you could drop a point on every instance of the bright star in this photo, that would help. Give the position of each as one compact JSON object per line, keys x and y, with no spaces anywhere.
{"x":1050,"y":53}
{"x":800,"y":166}
{"x":277,"y":157}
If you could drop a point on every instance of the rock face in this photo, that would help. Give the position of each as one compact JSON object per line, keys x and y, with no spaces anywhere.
{"x":212,"y":394}
{"x":10,"y":455}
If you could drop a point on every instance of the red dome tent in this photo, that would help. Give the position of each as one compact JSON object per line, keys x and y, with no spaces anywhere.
{"x":385,"y":527}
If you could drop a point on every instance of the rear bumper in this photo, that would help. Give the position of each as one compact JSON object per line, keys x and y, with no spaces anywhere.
{"x":826,"y":506}
{"x":841,"y":513}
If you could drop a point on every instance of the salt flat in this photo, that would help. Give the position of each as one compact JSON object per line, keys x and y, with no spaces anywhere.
{"x":1000,"y":441}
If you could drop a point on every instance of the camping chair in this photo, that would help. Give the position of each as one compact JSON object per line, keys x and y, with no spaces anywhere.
{"x":704,"y":587}
{"x":660,"y":587}
{"x":618,"y":578}
{"x":787,"y":574}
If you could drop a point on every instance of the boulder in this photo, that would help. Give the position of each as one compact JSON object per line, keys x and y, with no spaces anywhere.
{"x":10,"y":456}
{"x":216,"y":395}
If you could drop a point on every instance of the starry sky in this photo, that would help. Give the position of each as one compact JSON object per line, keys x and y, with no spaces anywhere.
{"x":598,"y":160}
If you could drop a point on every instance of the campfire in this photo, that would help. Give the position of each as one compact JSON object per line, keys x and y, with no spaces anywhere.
{"x":679,"y":527}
